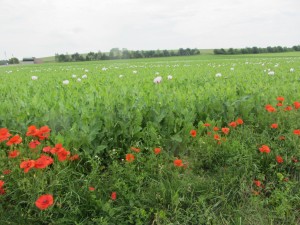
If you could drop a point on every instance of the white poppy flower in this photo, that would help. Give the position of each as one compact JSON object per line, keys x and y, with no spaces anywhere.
{"x":271,"y":73}
{"x":104,"y":69}
{"x":78,"y":80}
{"x":86,"y":70}
{"x":292,"y":70}
{"x":170,"y":77}
{"x":157,"y":80}
{"x":232,"y":69}
{"x":134,"y":71}
{"x":218,"y":75}
{"x":120,"y":76}
{"x":84,"y":76}
{"x":73,"y":76}
{"x":34,"y":77}
{"x":66,"y":82}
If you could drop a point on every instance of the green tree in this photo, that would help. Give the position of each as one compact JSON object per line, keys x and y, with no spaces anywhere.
{"x":98,"y":55}
{"x":181,"y":52}
{"x":126,"y":54}
{"x":195,"y":51}
{"x":255,"y":50}
{"x":13,"y":60}
{"x":91,"y":56}
{"x":63,"y":58}
{"x":230,"y":51}
{"x":115,"y":53}
{"x":270,"y":49}
{"x":296,"y":48}
{"x":166,"y":53}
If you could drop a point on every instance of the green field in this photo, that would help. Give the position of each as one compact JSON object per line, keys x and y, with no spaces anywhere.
{"x":106,"y":119}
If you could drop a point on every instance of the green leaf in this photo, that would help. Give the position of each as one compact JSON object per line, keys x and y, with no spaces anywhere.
{"x":177,"y":138}
{"x":100,"y":149}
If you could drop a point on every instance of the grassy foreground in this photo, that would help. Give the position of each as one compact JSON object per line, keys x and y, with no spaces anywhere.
{"x":215,"y":143}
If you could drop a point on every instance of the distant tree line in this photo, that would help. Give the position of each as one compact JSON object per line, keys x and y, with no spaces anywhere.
{"x":255,"y":50}
{"x":116,"y":53}
{"x":12,"y":60}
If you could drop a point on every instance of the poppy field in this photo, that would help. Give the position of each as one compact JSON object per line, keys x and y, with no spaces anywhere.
{"x":183,"y":140}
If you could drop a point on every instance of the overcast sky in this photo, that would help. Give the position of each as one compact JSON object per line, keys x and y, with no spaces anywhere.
{"x":44,"y":27}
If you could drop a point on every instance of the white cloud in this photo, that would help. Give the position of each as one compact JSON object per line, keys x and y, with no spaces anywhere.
{"x":42,"y":28}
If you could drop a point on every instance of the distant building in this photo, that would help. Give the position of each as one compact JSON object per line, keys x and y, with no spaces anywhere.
{"x":31,"y":60}
{"x":38,"y":61}
{"x":28,"y":60}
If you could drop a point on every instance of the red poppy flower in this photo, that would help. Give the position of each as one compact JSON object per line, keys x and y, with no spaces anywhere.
{"x":280,"y":98}
{"x":193,"y":133}
{"x":32,"y":131}
{"x":129,"y":157}
{"x":270,"y":108}
{"x":62,"y":154}
{"x":41,"y":133}
{"x":239,"y":121}
{"x":113,"y":196}
{"x":232,"y":124}
{"x":27,"y":165}
{"x":178,"y":163}
{"x":274,"y":126}
{"x":279,"y":104}
{"x":216,"y":128}
{"x":4,"y":134}
{"x":257,"y":183}
{"x":288,"y":108}
{"x":44,"y":201}
{"x":91,"y":188}
{"x":208,"y":133}
{"x":74,"y":157}
{"x":206,"y":124}
{"x":279,"y":159}
{"x":137,"y":150}
{"x":2,"y":191}
{"x":297,"y":105}
{"x":33,"y":144}
{"x":6,"y":172}
{"x":14,"y":140}
{"x":264,"y":149}
{"x":58,"y":147}
{"x":43,"y":162}
{"x":217,"y":137}
{"x":297,"y":132}
{"x":225,"y":130}
{"x":47,"y":149}
{"x":157,"y":151}
{"x":13,"y":154}
{"x":45,"y":130}
{"x":1,"y":183}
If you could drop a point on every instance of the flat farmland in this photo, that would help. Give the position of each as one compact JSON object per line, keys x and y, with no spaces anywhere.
{"x":183,"y":140}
